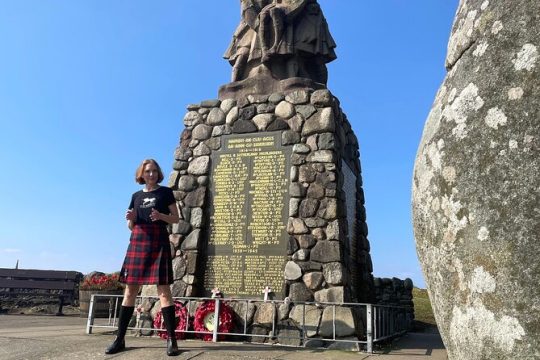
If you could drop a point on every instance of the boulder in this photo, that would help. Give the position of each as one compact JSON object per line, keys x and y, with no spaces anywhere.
{"x":307,"y":317}
{"x":344,"y":322}
{"x":476,"y":186}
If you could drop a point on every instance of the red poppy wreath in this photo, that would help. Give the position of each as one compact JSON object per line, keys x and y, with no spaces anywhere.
{"x":180,"y":314}
{"x":204,"y":319}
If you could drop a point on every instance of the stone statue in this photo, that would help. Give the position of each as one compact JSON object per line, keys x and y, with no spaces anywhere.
{"x":282,"y":39}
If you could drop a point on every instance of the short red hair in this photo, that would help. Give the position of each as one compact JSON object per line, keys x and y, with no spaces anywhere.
{"x":140,"y":170}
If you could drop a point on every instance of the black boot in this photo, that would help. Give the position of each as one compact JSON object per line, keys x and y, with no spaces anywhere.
{"x":123,"y":321}
{"x":170,"y":325}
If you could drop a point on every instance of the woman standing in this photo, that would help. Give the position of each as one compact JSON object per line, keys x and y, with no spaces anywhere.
{"x":148,"y":259}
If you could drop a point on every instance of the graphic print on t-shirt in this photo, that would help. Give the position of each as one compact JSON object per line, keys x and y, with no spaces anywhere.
{"x":148,"y":203}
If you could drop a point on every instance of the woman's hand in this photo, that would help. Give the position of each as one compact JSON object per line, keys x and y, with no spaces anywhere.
{"x":155,"y":215}
{"x":130,"y":215}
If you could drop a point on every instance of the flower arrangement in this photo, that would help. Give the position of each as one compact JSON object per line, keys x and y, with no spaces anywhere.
{"x":203,"y":321}
{"x":101,"y":282}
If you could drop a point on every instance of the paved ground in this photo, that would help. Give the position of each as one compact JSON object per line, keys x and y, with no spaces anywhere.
{"x":51,"y":337}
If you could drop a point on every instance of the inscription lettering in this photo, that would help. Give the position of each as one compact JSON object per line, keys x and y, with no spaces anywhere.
{"x":247,"y":241}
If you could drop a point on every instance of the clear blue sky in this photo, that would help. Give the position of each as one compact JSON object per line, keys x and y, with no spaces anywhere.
{"x":89,"y":88}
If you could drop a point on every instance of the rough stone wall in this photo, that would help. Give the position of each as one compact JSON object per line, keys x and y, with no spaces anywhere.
{"x":476,"y":191}
{"x":323,"y":265}
{"x":393,"y":291}
{"x":396,"y":292}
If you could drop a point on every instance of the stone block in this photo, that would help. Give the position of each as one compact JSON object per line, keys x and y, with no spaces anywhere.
{"x":203,"y":149}
{"x":294,"y":204}
{"x":187,"y":183}
{"x":195,"y":198}
{"x":210,"y":103}
{"x":175,"y":239}
{"x":266,"y":314}
{"x":306,"y":110}
{"x":232,"y":116}
{"x":179,"y":267}
{"x":289,"y":137}
{"x":173,"y":179}
{"x":266,"y":108}
{"x":315,"y":222}
{"x":316,"y":191}
{"x":306,"y":241}
{"x":298,"y":291}
{"x":307,"y":173}
{"x":313,"y":280}
{"x":243,"y":127}
{"x":199,"y":165}
{"x":334,"y":294}
{"x":275,"y":98}
{"x":298,"y":97}
{"x":196,"y":218}
{"x":202,"y":132}
{"x":191,"y":261}
{"x":178,"y":288}
{"x":182,"y":227}
{"x":322,"y":156}
{"x":261,"y":121}
{"x":292,"y":245}
{"x":308,"y":207}
{"x":321,"y":122}
{"x":213,"y":143}
{"x":247,"y":113}
{"x":301,"y":149}
{"x":296,"y":226}
{"x":227,"y":104}
{"x":328,"y":209}
{"x":292,"y":271}
{"x":301,"y":255}
{"x":318,"y":233}
{"x":344,"y":322}
{"x":321,"y":98}
{"x":288,"y":333}
{"x":216,"y":117}
{"x":192,"y":118}
{"x":326,"y":252}
{"x":192,"y":240}
{"x":297,"y":190}
{"x":307,"y":317}
{"x":285,"y":110}
{"x":334,"y":273}
{"x":182,"y":153}
{"x":243,"y":310}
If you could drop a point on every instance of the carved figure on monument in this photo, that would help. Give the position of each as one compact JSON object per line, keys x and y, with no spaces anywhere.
{"x":281,"y":39}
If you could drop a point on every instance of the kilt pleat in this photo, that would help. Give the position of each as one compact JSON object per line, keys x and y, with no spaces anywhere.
{"x":148,"y":258}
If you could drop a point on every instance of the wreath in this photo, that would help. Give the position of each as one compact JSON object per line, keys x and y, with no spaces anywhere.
{"x":204,"y":319}
{"x":180,"y":315}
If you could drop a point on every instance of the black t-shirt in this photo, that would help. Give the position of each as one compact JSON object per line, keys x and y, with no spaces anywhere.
{"x":143,"y":202}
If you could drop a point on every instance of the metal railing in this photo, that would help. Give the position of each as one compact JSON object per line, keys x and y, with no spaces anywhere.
{"x":373,"y":323}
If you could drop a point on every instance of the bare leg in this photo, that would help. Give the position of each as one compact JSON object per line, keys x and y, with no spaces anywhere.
{"x":130,"y":294}
{"x":165,"y":296}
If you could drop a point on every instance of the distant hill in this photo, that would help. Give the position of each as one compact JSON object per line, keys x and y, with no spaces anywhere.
{"x":423,"y":313}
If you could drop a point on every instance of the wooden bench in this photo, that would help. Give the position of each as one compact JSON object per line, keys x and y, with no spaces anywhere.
{"x":40,"y":283}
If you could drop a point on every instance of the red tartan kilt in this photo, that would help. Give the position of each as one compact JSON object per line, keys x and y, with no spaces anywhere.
{"x":148,"y":259}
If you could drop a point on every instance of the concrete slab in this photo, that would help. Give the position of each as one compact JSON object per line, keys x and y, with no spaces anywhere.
{"x":50,"y":337}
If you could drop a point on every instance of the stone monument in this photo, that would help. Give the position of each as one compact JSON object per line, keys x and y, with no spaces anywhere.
{"x":476,"y":191}
{"x":267,"y":177}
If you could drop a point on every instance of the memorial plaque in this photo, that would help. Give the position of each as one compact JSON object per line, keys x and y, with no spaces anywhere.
{"x":247,"y":242}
